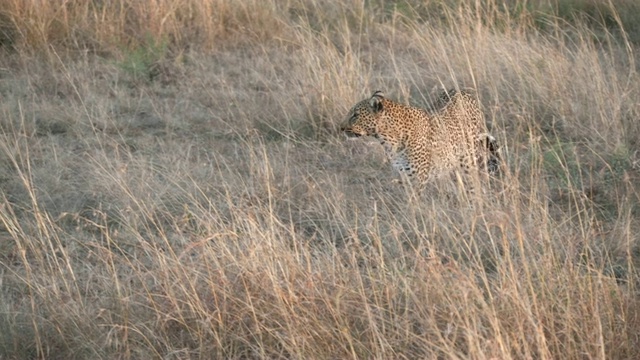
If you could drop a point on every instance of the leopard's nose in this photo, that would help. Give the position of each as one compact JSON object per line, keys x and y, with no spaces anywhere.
{"x":349,"y":132}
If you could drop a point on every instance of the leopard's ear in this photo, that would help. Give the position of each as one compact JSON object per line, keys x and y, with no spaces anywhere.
{"x":376,"y":101}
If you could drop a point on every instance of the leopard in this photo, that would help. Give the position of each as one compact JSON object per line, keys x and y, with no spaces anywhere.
{"x":424,"y":144}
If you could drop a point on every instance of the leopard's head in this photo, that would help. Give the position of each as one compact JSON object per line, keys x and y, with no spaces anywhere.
{"x":365,"y":117}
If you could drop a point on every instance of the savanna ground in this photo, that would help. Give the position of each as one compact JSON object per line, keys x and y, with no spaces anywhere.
{"x":174,"y":185}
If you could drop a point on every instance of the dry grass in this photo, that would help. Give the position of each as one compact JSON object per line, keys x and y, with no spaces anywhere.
{"x":173,"y":185}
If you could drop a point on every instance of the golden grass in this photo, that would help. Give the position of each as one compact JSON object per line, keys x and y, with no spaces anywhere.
{"x":173,"y":185}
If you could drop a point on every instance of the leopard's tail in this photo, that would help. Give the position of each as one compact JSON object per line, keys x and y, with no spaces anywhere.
{"x":489,"y":146}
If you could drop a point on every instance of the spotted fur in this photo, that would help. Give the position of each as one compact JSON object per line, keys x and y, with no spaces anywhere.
{"x":426,"y":144}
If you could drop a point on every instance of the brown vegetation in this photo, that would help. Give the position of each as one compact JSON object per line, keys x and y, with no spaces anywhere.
{"x":173,"y":184}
